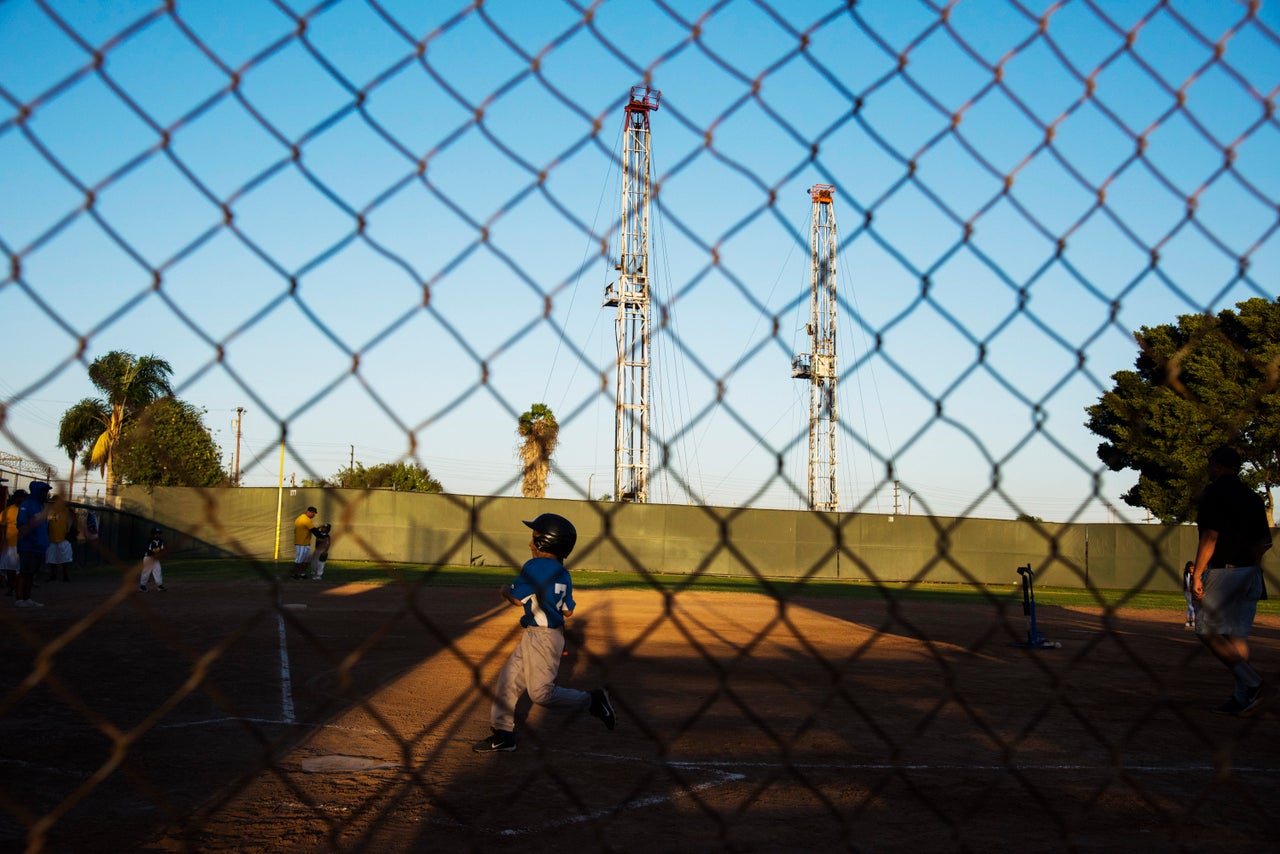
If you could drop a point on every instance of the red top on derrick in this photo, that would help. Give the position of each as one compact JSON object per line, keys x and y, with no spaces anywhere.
{"x":822,"y":193}
{"x":644,"y":98}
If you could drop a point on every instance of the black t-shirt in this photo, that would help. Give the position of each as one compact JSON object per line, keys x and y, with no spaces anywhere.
{"x":1239,"y":516}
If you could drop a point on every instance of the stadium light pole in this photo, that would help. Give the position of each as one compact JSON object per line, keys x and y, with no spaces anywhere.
{"x":239,"y":419}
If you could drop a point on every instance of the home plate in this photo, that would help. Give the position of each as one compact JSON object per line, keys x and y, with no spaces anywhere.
{"x":338,"y":764}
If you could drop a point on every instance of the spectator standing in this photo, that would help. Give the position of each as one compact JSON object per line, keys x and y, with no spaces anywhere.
{"x":1227,"y":576}
{"x":1188,"y":582}
{"x":9,"y":545}
{"x":302,"y":529}
{"x":90,"y":535}
{"x":33,"y":541}
{"x":151,"y":562}
{"x":61,"y":521}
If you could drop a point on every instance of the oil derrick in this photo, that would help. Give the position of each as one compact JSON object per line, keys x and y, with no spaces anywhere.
{"x":630,"y":295}
{"x":818,"y":366}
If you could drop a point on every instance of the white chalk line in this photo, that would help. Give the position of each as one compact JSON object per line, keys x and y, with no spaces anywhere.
{"x":891,"y":766}
{"x":725,"y":777}
{"x":637,"y":804}
{"x":724,"y":772}
{"x":286,"y":681}
{"x":733,"y":771}
{"x":720,"y":764}
{"x":275,"y":722}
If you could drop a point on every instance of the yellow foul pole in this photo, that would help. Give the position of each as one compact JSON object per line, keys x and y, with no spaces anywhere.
{"x":280,"y":499}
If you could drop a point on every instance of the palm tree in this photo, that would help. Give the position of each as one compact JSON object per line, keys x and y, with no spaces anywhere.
{"x":129,"y":384}
{"x":541,"y":433}
{"x":80,"y":428}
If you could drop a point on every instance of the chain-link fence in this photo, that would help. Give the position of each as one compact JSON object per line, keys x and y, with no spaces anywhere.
{"x":380,"y":232}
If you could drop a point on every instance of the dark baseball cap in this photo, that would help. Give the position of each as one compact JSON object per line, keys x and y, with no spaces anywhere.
{"x":1226,"y":456}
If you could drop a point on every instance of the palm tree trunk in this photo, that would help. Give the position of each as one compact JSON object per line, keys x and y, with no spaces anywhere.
{"x":113,"y":439}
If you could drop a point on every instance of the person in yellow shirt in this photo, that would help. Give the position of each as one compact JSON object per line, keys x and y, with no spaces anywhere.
{"x":302,"y":528}
{"x":9,"y":544}
{"x":61,"y":524}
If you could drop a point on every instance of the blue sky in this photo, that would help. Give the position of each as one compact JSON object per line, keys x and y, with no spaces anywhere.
{"x":348,"y":218}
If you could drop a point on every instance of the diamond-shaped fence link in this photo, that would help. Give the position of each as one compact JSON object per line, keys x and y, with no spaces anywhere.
{"x":390,"y":226}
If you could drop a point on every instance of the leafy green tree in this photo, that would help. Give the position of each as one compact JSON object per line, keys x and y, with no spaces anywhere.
{"x":129,"y":384}
{"x":168,"y":444}
{"x":1201,"y":382}
{"x":401,"y":476}
{"x":539,"y":433}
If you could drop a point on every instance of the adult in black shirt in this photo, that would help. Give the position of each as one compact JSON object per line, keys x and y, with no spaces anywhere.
{"x":1227,"y":578}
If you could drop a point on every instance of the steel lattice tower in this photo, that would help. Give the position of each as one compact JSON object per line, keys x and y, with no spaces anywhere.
{"x":818,"y":366}
{"x":630,"y":294}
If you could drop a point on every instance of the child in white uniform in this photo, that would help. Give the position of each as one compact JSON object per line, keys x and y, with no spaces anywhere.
{"x":151,"y":562}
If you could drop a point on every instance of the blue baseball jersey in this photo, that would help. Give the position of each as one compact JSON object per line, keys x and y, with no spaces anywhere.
{"x":545,"y":588}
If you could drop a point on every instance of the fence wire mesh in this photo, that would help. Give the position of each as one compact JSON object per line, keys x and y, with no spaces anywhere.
{"x":391,"y":224}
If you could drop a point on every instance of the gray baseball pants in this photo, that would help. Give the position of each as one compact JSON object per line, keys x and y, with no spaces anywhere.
{"x":532,"y":668}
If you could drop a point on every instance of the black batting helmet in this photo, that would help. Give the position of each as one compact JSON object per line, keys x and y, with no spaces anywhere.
{"x":554,"y":535}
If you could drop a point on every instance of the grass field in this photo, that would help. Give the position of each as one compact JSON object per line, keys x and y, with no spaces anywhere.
{"x":356,"y":572}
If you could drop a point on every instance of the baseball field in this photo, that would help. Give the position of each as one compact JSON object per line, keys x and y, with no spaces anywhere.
{"x":240,"y":714}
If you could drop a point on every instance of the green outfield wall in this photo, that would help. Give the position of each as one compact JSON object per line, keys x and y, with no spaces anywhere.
{"x":400,"y":527}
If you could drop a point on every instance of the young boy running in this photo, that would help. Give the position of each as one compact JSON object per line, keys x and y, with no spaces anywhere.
{"x":545,"y":591}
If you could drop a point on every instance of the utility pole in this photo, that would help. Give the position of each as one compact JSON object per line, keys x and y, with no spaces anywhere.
{"x":239,"y":418}
{"x":818,"y":366}
{"x":630,"y":295}
{"x":353,"y":458}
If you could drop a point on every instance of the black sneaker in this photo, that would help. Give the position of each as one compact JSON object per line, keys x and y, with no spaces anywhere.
{"x":1232,"y":707}
{"x":601,"y":707}
{"x":1257,"y":698}
{"x":162,"y":588}
{"x":504,"y":741}
{"x":142,"y":590}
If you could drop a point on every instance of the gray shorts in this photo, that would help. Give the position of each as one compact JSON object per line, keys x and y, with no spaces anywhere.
{"x":1230,"y":601}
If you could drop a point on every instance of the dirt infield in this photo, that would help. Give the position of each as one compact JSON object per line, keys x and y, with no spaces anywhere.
{"x":168,"y":722}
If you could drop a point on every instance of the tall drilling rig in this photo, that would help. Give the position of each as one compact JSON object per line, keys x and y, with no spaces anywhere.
{"x":630,"y":295}
{"x":818,"y":366}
